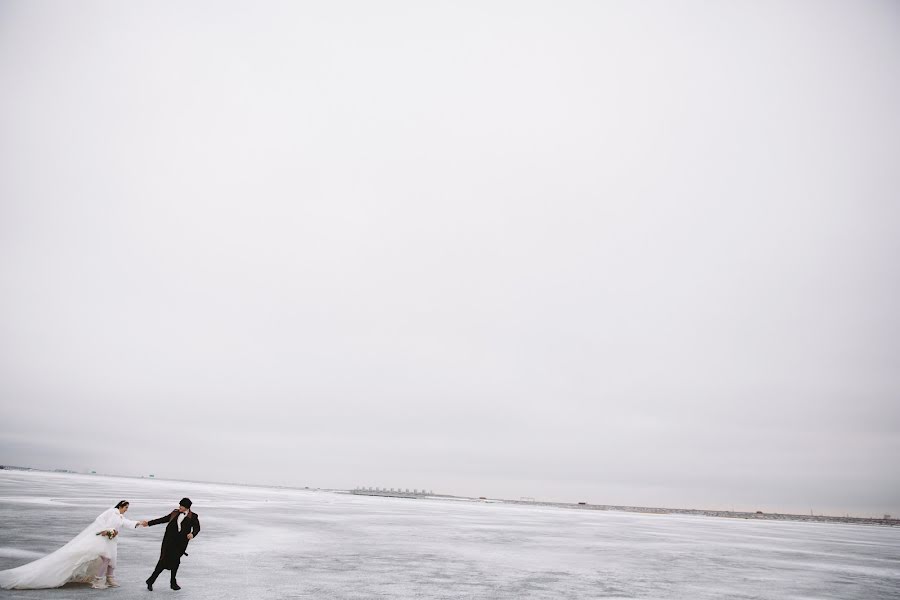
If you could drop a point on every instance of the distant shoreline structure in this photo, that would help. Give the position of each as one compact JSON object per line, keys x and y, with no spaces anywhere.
{"x":394,"y":493}
{"x":415,"y":493}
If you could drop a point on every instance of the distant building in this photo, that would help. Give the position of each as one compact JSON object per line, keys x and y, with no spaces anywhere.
{"x":394,"y":492}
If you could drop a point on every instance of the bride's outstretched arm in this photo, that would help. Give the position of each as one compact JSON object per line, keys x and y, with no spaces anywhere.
{"x":129,"y":523}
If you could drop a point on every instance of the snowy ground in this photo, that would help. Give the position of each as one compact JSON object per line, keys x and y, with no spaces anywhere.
{"x":273,"y":543}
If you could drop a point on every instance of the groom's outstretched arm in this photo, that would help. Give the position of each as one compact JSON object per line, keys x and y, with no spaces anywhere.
{"x":164,"y":519}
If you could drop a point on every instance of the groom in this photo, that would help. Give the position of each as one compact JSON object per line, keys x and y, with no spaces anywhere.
{"x":183,"y":526}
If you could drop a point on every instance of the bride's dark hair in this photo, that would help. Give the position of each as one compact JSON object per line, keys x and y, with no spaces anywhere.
{"x":122,"y":503}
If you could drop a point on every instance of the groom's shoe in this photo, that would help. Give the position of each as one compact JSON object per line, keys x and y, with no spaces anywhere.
{"x":175,"y":586}
{"x":149,"y":585}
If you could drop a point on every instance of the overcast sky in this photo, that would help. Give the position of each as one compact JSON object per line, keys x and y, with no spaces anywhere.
{"x":615,"y":252}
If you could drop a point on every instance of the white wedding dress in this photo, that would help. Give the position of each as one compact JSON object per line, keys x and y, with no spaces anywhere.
{"x":79,"y":560}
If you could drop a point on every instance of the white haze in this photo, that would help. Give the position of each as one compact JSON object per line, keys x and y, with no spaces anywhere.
{"x":618,"y":252}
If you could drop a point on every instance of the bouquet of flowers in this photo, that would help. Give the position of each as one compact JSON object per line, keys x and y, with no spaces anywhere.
{"x":109,"y":533}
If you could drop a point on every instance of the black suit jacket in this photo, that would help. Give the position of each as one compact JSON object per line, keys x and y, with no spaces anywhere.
{"x":175,"y":540}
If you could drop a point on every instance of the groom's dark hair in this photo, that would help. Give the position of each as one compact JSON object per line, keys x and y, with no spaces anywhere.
{"x":122,"y":503}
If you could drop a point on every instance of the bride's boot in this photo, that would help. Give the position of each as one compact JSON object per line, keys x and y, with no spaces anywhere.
{"x":111,"y":577}
{"x":100,"y":579}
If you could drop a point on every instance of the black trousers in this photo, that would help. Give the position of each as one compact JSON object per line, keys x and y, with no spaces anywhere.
{"x":159,"y":569}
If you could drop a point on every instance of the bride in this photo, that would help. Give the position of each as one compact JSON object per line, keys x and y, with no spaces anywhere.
{"x":90,"y":557}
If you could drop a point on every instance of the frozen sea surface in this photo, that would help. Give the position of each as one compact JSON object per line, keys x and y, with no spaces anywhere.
{"x":276,"y":543}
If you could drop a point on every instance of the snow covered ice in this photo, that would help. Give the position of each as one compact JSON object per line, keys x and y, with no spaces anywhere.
{"x":281,"y":543}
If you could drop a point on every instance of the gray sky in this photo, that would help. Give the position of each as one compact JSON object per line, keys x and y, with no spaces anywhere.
{"x":619,"y":252}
